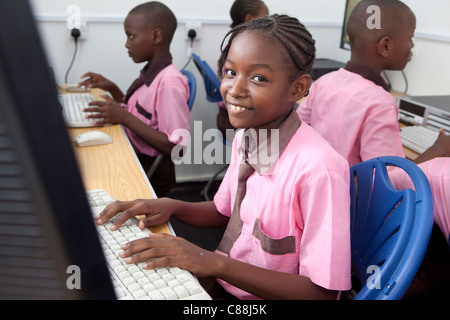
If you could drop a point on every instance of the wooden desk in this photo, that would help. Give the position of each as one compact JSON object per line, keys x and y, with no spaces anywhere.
{"x":114,"y":167}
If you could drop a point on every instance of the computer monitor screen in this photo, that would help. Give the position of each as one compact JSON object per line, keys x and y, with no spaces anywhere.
{"x":349,"y":6}
{"x":49,"y":247}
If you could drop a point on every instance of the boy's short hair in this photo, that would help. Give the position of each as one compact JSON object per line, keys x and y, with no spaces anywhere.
{"x":160,"y":16}
{"x":391,"y":12}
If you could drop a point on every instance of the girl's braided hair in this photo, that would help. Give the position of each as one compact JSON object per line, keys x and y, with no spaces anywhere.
{"x":290,"y":32}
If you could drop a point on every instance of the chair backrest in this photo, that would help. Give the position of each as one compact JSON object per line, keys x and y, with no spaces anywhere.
{"x":192,"y":82}
{"x":390,"y":228}
{"x":212,"y":83}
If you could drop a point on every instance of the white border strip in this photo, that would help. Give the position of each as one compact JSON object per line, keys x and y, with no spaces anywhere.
{"x":310,"y":24}
{"x":120,"y":19}
{"x":433,"y":36}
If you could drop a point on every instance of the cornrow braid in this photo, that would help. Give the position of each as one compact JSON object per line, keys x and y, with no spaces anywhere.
{"x":291,"y":33}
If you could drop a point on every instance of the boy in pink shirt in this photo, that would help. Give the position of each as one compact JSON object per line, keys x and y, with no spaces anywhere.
{"x":288,"y":220}
{"x":354,"y":111}
{"x":155,"y":105}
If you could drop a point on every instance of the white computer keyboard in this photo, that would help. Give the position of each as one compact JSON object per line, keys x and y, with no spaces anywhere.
{"x":131,"y":281}
{"x":418,"y":138}
{"x":73,"y":104}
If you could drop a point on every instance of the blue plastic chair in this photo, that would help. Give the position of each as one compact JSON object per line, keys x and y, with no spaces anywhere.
{"x":192,"y":82}
{"x":390,"y":228}
{"x":210,"y":79}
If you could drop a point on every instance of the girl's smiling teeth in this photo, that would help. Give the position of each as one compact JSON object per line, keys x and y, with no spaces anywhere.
{"x":234,"y":107}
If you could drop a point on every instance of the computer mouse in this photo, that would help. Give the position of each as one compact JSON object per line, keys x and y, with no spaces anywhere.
{"x":92,"y":138}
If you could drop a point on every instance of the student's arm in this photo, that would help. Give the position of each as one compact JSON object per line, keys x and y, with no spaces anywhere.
{"x":158,"y":211}
{"x":441,"y":148}
{"x":264,"y":283}
{"x":157,"y":139}
{"x":109,"y":111}
{"x":380,"y":133}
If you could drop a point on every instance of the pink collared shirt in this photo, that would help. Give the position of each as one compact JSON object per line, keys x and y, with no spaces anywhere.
{"x":306,"y":200}
{"x":162,"y":106}
{"x":358,"y":118}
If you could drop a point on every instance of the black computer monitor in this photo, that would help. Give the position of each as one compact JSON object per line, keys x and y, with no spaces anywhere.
{"x":349,"y":6}
{"x":49,"y":247}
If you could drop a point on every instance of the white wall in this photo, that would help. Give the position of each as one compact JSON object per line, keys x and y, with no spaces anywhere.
{"x":104,"y":50}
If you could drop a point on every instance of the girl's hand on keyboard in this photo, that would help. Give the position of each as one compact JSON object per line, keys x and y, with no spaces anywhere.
{"x":167,"y":250}
{"x":157,"y":212}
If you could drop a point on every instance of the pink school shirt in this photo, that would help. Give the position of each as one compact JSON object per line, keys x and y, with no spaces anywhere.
{"x":358,"y":118}
{"x":306,"y":198}
{"x":165,"y":103}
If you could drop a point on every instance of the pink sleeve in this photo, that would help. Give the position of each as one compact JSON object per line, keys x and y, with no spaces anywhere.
{"x":325,"y":244}
{"x":172,"y":110}
{"x":380,"y":134}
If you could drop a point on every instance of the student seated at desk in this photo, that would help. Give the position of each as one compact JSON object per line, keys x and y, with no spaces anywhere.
{"x":353,"y":109}
{"x":288,"y":220}
{"x":155,"y":105}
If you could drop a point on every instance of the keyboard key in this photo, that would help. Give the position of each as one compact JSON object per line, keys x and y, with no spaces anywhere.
{"x":192,"y":287}
{"x":181,"y":291}
{"x":168,"y":293}
{"x":155,"y":295}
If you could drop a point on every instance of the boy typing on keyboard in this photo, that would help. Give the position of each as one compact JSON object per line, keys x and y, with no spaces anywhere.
{"x":155,"y":105}
{"x":353,"y":109}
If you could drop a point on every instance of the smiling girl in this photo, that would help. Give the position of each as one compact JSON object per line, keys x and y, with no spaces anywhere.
{"x":287,"y":234}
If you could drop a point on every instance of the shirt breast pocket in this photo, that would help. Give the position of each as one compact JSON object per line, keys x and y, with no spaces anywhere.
{"x":140,"y":109}
{"x":275,"y":254}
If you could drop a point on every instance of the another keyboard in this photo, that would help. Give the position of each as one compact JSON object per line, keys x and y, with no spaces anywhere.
{"x":72,"y":105}
{"x":418,"y":138}
{"x":131,"y":281}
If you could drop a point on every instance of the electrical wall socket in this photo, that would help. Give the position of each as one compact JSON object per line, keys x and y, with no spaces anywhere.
{"x":83,"y":31}
{"x":197,"y":26}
